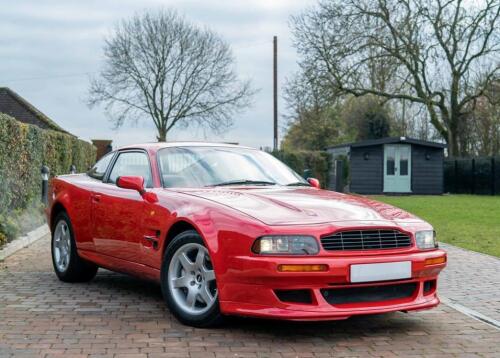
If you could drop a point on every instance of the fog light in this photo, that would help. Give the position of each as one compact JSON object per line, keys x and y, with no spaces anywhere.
{"x":302,"y":268}
{"x":435,"y":261}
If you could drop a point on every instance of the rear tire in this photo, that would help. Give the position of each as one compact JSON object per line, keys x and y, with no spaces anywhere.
{"x":188,"y":281}
{"x":68,"y":266}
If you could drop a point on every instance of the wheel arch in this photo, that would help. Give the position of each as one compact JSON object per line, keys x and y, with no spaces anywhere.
{"x":57,"y":208}
{"x":176,"y":228}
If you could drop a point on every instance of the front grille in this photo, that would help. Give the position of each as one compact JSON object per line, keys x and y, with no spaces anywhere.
{"x":365,"y":240}
{"x":335,"y":296}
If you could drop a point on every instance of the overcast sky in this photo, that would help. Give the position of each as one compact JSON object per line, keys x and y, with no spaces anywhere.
{"x":48,"y":49}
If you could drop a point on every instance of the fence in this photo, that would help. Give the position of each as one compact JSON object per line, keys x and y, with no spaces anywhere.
{"x":472,"y":175}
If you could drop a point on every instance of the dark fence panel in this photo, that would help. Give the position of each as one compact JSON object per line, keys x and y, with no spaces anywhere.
{"x":483,"y":183}
{"x":472,"y":175}
{"x":450,"y":184}
{"x":496,"y":175}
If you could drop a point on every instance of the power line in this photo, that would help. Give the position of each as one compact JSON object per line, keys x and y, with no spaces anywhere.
{"x":244,"y":45}
{"x":48,"y":77}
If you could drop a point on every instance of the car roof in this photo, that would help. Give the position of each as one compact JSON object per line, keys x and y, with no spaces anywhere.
{"x":160,"y":145}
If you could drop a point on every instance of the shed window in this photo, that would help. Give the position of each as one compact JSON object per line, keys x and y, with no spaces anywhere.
{"x":403,"y":162}
{"x":403,"y":165}
{"x":390,"y":165}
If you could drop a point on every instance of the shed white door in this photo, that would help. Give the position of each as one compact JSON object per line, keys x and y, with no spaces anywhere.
{"x":397,"y":168}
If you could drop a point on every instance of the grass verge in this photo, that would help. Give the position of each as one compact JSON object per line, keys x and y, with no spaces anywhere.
{"x":468,"y":221}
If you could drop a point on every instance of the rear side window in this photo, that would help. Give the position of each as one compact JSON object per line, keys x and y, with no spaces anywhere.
{"x":99,"y":168}
{"x":134,"y":164}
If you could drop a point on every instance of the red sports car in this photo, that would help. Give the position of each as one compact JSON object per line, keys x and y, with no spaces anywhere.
{"x":229,"y":230}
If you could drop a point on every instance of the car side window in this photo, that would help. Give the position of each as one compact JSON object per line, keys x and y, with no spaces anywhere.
{"x":133,"y":164}
{"x":99,"y":168}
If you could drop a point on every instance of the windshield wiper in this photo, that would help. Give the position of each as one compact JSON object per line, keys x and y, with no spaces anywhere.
{"x":244,"y":182}
{"x":298,"y":183}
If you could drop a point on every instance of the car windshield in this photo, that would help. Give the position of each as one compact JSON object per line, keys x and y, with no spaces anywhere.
{"x":216,"y":166}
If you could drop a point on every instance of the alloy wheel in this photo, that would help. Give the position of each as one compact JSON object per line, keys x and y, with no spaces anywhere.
{"x":191,"y":279}
{"x":62,"y":246}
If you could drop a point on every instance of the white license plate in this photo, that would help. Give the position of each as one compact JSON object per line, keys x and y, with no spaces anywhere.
{"x":381,"y":272}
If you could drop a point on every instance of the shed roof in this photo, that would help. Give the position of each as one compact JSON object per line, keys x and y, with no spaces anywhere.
{"x":16,"y":106}
{"x":390,"y":140}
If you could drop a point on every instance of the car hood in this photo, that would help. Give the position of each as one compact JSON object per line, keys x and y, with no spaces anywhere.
{"x":303,"y":205}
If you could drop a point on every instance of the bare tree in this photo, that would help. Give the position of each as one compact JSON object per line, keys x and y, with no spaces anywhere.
{"x":412,"y":120}
{"x":368,"y":117}
{"x":304,"y":94}
{"x":483,"y":123}
{"x":441,"y":49}
{"x":159,"y":65}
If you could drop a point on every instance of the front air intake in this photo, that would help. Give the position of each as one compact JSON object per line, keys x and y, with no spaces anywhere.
{"x":337,"y":296}
{"x":294,"y":296}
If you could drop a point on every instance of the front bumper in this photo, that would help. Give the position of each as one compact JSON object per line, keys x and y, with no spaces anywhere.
{"x":250,"y":286}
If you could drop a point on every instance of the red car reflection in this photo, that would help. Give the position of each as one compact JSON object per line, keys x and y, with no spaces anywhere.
{"x":229,"y":230}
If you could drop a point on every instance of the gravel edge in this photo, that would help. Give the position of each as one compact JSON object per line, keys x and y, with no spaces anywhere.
{"x":23,"y":241}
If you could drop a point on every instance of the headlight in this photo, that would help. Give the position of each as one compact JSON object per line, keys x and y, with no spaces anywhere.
{"x":286,"y":245}
{"x":426,"y":239}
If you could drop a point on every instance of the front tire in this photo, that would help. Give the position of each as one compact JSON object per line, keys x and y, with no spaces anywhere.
{"x":68,"y":266}
{"x":188,"y":281}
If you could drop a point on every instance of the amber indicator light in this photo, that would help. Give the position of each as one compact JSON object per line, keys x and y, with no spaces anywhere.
{"x":303,"y":268}
{"x":435,"y":261}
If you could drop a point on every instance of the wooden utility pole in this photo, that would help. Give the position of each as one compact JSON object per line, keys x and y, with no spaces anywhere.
{"x":275,"y":92}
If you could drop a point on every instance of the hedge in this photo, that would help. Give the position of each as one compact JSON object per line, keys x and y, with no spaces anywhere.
{"x":318,"y":162}
{"x":24,"y":148}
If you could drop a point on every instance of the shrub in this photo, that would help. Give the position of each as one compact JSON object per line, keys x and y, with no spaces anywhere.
{"x":24,"y":148}
{"x":8,"y":226}
{"x":316,"y":162}
{"x":20,"y":221}
{"x":3,"y":239}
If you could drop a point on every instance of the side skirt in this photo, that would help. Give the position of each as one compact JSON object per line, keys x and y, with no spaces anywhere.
{"x":123,"y":266}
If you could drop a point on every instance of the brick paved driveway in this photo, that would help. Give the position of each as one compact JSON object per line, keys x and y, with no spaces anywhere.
{"x":472,"y":279}
{"x":115,"y":315}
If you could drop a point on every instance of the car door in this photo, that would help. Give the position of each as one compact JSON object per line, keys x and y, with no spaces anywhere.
{"x":118,"y":213}
{"x":81,"y":200}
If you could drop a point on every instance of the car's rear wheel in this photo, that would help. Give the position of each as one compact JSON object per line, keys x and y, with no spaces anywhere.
{"x":69,"y":267}
{"x":188,"y":281}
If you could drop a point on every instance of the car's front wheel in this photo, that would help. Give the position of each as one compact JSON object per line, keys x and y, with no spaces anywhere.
{"x":188,"y":281}
{"x":69,"y":267}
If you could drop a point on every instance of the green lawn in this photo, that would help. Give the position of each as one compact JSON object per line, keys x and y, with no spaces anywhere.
{"x":469,"y":221}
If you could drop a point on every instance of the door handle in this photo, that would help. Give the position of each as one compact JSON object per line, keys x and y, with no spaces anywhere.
{"x":96,"y":198}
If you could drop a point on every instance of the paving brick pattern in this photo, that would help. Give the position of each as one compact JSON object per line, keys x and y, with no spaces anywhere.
{"x":119,"y":316}
{"x":473,"y":280}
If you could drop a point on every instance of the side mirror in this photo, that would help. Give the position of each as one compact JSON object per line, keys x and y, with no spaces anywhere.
{"x":131,"y":182}
{"x":314,"y":183}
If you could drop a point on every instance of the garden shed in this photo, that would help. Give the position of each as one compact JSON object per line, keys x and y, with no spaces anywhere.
{"x":393,"y":165}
